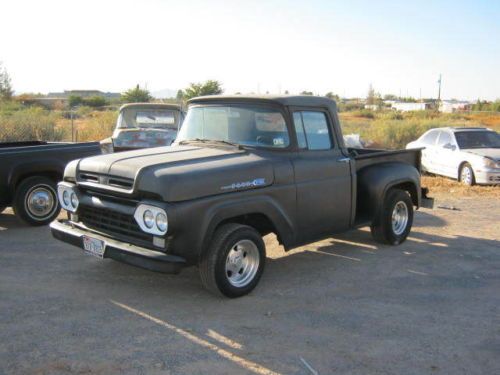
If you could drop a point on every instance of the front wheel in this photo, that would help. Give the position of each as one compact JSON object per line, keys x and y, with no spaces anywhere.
{"x":35,"y":201}
{"x":467,"y":175}
{"x":234,"y":262}
{"x":395,"y":219}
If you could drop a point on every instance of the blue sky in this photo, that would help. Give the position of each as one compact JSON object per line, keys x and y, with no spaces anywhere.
{"x":255,"y":46}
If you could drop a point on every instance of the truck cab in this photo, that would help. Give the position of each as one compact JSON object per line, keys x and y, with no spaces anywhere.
{"x":240,"y":168}
{"x":144,"y":125}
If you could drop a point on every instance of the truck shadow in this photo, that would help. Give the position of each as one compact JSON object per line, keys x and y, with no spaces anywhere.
{"x":9,"y":221}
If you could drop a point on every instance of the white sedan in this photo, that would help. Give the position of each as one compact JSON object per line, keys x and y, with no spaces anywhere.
{"x":471,"y":155}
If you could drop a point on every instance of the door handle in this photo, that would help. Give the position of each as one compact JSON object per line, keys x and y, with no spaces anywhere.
{"x":343,"y":160}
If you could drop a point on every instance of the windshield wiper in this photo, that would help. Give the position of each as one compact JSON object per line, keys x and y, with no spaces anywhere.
{"x":187,"y":141}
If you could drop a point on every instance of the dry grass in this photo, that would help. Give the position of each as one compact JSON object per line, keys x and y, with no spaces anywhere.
{"x":394,"y":130}
{"x":442,"y":185}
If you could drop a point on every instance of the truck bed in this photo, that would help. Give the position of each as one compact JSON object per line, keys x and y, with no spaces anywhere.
{"x":32,"y":147}
{"x":365,"y":157}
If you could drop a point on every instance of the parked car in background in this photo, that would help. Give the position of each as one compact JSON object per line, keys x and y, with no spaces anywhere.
{"x":471,"y":155}
{"x":143,"y":125}
{"x":242,"y":167}
{"x":29,"y":172}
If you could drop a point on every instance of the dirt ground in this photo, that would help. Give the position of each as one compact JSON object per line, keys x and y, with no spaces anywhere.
{"x":345,"y":305}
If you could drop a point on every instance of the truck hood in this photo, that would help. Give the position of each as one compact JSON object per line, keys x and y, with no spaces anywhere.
{"x":177,"y":173}
{"x":492,"y":153}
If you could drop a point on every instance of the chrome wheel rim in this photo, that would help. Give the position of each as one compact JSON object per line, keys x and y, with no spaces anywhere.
{"x":40,"y":202}
{"x":466,"y":175}
{"x":399,"y":218}
{"x":242,"y":263}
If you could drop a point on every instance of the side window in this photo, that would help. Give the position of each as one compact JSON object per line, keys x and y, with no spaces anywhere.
{"x":312,"y":130}
{"x":299,"y":129}
{"x":444,"y":138}
{"x":430,"y":138}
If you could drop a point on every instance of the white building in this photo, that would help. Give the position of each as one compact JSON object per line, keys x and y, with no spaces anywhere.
{"x":406,"y":107}
{"x":450,"y":106}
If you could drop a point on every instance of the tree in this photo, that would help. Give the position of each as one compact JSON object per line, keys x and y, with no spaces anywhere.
{"x":390,"y":97}
{"x":331,"y":95}
{"x":370,"y":98}
{"x":95,"y":101}
{"x":6,"y":90}
{"x":74,"y":101}
{"x":136,"y":95}
{"x":209,"y":87}
{"x":180,"y":95}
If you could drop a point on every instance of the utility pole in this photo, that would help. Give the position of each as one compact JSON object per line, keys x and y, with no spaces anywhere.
{"x":439,"y":90}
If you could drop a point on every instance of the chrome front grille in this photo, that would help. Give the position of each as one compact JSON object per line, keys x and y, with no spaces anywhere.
{"x":114,"y":223}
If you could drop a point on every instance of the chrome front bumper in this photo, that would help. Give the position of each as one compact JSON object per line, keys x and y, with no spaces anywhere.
{"x":66,"y":231}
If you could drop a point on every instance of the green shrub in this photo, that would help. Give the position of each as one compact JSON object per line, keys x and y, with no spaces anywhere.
{"x":366,"y":113}
{"x":30,"y":124}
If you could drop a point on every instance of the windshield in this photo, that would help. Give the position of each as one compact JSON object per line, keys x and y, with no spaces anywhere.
{"x":137,"y":118}
{"x":243,"y":125}
{"x":478,"y":139}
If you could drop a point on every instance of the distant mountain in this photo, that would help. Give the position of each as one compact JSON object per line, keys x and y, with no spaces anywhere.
{"x":164,"y":93}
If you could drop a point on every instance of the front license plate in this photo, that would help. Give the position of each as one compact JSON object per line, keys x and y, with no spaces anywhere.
{"x":93,"y":246}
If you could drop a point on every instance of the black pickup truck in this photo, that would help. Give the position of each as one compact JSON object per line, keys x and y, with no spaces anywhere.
{"x":241,"y":168}
{"x":29,"y":172}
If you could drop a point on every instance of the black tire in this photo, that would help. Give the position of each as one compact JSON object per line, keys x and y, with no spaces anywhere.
{"x":382,"y":229}
{"x":468,"y":180}
{"x":24,"y":210}
{"x":212,"y":266}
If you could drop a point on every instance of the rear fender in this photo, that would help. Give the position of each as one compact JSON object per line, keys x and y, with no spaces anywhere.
{"x":374,"y":182}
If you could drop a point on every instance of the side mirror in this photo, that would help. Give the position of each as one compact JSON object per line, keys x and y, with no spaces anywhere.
{"x":449,"y":146}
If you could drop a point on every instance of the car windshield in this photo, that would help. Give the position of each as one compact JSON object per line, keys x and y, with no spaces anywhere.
{"x":132,"y":118}
{"x":478,"y":139}
{"x":243,"y":125}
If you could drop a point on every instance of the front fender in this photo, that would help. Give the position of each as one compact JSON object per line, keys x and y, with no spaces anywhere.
{"x":194,"y":223}
{"x":374,"y":182}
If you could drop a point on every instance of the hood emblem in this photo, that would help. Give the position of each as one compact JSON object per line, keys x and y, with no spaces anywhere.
{"x":245,"y":184}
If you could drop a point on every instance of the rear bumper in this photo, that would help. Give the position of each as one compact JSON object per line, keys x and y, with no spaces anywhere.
{"x":157,"y":261}
{"x":426,"y":201}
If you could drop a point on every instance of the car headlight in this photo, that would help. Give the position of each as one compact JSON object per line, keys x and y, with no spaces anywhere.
{"x":151,"y":219}
{"x":68,"y":197}
{"x":65,"y":198}
{"x":490,"y":163}
{"x":161,"y":222}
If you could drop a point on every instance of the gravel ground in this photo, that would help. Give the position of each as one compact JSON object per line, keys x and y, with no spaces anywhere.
{"x":340,"y":306}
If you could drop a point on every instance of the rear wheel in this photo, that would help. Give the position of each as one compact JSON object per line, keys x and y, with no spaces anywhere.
{"x":396,"y":218}
{"x":35,"y":201}
{"x":234,"y":262}
{"x":467,"y":175}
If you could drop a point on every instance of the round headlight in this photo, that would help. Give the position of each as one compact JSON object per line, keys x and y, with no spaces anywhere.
{"x":149,"y":219}
{"x":66,"y":199}
{"x":161,"y":222}
{"x":74,"y":200}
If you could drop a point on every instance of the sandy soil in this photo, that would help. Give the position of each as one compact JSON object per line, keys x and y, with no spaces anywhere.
{"x":345,"y":305}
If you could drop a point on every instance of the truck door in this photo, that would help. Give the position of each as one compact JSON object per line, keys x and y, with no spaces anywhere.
{"x":322,"y":176}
